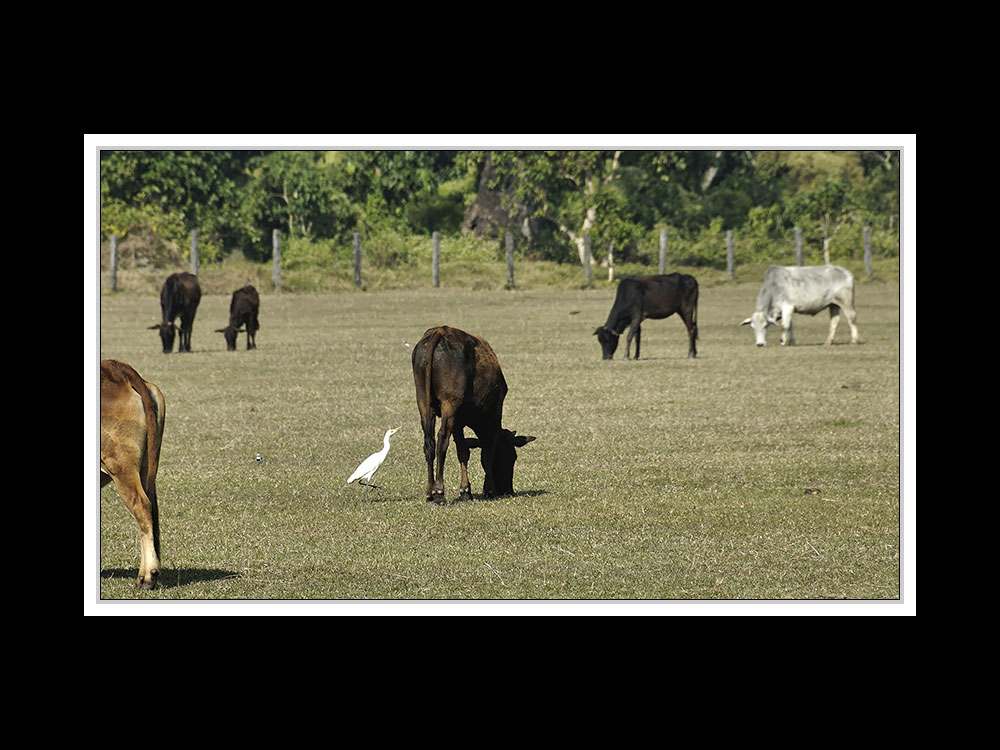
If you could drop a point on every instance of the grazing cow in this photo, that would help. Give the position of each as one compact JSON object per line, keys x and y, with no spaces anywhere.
{"x":180,"y":295}
{"x":242,"y":311}
{"x":458,"y":378}
{"x":802,"y":289}
{"x":132,"y":415}
{"x":650,"y":297}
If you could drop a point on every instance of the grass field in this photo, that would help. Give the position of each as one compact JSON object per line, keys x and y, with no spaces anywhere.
{"x":658,"y":479}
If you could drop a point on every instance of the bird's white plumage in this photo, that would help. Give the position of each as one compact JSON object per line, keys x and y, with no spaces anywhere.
{"x":371,"y":464}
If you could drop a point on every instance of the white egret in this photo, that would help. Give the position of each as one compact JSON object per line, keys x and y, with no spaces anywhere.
{"x":371,"y":464}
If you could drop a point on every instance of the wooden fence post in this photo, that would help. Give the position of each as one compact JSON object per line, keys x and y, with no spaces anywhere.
{"x":663,"y":251}
{"x":586,"y":257}
{"x":611,"y":262}
{"x":798,"y":246}
{"x":276,"y":255}
{"x":730,"y":261}
{"x":114,"y":263}
{"x":194,"y":252}
{"x":510,"y":260}
{"x":868,"y":252}
{"x":436,"y":263}
{"x":357,"y":259}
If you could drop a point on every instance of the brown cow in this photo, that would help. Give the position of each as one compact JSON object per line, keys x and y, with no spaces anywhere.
{"x":458,"y":378}
{"x":132,"y":415}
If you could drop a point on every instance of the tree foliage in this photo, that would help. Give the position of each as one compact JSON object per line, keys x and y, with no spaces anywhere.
{"x":621,"y":199}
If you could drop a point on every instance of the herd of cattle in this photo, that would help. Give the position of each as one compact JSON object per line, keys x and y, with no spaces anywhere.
{"x":457,"y":377}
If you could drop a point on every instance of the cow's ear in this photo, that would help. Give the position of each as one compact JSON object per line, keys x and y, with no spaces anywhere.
{"x":520,"y":440}
{"x":472,"y":443}
{"x":597,"y":330}
{"x":746,"y":322}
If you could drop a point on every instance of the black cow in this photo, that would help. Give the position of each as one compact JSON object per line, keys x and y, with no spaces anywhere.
{"x":650,"y":297}
{"x":242,"y":311}
{"x":458,"y":378}
{"x":179,"y":296}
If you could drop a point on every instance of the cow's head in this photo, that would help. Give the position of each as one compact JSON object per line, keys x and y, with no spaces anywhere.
{"x":500,"y":480}
{"x":230,"y":333}
{"x":167,"y":331}
{"x":759,"y":323}
{"x":609,"y":341}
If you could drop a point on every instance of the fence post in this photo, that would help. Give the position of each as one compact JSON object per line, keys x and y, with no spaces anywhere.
{"x":194,"y":252}
{"x":276,"y":254}
{"x":611,"y":262}
{"x":798,"y":246}
{"x":868,"y":252}
{"x":586,"y":257}
{"x":510,"y":260}
{"x":663,"y":251}
{"x":357,"y":259}
{"x":436,"y":264}
{"x":730,"y":263}
{"x":114,"y":263}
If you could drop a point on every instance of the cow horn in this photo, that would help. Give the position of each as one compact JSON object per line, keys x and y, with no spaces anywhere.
{"x":746,"y":322}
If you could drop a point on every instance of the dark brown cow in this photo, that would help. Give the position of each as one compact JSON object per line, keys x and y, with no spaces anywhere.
{"x":243,"y":310}
{"x":650,"y":297}
{"x":458,"y":378}
{"x":179,"y":296}
{"x":132,"y":416}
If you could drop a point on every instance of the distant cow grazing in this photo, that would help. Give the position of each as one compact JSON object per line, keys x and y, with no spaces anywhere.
{"x":132,"y":416}
{"x":179,"y":296}
{"x":242,"y":311}
{"x":458,"y":378}
{"x":803,"y":289}
{"x":650,"y":297}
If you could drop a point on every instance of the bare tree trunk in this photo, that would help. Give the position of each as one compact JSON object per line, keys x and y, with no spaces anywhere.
{"x":710,"y":173}
{"x":589,"y":188}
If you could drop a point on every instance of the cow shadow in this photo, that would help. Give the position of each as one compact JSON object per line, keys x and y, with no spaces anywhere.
{"x":172,"y":578}
{"x":483,"y":499}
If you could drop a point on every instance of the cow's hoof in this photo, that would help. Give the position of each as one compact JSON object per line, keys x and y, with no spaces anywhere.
{"x":147,"y":585}
{"x":436,"y":497}
{"x":465,"y":496}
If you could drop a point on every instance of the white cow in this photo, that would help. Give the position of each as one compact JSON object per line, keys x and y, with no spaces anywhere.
{"x":803,"y":289}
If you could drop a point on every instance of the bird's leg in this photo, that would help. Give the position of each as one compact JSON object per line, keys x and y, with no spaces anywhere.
{"x":366,"y":492}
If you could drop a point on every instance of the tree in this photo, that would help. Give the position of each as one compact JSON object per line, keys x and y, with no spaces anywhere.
{"x":562,"y":187}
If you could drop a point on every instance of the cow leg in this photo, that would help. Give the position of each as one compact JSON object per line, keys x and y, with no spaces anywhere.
{"x":427,"y":424}
{"x":136,"y":500}
{"x":851,"y":317}
{"x":787,"y":334}
{"x":462,"y":449}
{"x":633,"y":332}
{"x":834,"y":320}
{"x":692,"y":328}
{"x":447,"y":425}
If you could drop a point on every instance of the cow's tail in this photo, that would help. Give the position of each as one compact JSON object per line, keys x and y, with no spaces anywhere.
{"x":151,"y":407}
{"x":428,"y":366}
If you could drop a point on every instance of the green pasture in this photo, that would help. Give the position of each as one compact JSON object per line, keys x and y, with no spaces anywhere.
{"x":743,"y":474}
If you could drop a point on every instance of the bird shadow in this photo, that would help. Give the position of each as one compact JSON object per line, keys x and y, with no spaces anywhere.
{"x":173,"y":578}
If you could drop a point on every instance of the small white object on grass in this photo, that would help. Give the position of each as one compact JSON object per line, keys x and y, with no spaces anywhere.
{"x":371,"y":464}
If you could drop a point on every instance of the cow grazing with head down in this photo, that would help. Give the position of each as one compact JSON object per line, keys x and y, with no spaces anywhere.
{"x":802,"y":289}
{"x":132,"y":415}
{"x":243,"y":310}
{"x":655,"y":297}
{"x":179,"y":296}
{"x":458,"y":378}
